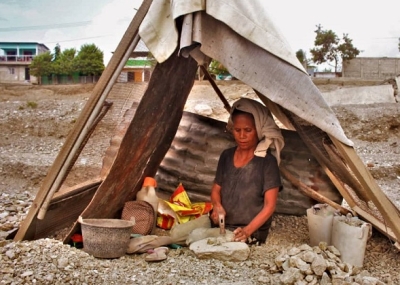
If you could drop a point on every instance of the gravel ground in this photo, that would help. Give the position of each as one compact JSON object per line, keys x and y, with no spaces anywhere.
{"x":32,"y":136}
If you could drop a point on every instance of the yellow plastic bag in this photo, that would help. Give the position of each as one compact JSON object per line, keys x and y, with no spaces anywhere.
{"x":185,"y":210}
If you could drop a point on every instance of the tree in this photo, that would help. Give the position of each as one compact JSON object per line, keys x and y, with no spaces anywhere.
{"x":216,"y":68}
{"x":399,"y":44}
{"x":65,"y":62}
{"x":57,"y":52}
{"x":330,"y":48}
{"x":89,"y":60}
{"x":41,"y":65}
{"x":301,"y":56}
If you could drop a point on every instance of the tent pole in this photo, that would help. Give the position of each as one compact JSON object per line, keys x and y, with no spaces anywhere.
{"x":216,"y":89}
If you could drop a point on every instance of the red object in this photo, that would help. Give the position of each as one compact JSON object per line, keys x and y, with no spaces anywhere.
{"x":77,"y":238}
{"x":149,"y":181}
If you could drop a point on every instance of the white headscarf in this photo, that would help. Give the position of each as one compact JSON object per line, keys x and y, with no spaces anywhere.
{"x":269,"y":134}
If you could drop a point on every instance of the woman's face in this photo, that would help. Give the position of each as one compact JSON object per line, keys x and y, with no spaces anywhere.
{"x":244,"y":131}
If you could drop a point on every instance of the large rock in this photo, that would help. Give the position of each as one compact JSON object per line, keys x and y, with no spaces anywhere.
{"x":212,"y":248}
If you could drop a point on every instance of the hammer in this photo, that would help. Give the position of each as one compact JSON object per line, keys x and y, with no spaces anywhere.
{"x":221,"y":219}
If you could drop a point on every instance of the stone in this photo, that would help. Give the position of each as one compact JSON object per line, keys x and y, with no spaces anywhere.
{"x":294,"y":251}
{"x":325,"y":279}
{"x":308,"y":256}
{"x":281,"y":258}
{"x":334,"y":250}
{"x":210,"y":248}
{"x":368,"y":280}
{"x":291,"y":275}
{"x":203,"y":109}
{"x":319,"y":265}
{"x":297,"y":262}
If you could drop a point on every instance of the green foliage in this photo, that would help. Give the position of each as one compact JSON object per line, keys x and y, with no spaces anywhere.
{"x":31,"y":104}
{"x":330,"y":48}
{"x":41,"y":65}
{"x":302,"y":57}
{"x":57,"y":52}
{"x":216,"y":68}
{"x":89,"y":60}
{"x":65,"y":63}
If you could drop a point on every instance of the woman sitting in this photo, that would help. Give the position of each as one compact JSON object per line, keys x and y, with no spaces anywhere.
{"x":247,"y":180}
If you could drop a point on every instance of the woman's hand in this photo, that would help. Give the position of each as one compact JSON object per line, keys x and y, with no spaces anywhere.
{"x":217,"y":211}
{"x":241,"y":234}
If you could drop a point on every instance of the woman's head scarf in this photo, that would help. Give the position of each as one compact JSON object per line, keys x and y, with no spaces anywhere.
{"x":269,"y":134}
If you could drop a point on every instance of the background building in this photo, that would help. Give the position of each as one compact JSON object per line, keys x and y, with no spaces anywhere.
{"x":372,"y":67}
{"x":15,"y":59}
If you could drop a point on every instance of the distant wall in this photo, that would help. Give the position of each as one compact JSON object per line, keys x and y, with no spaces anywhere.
{"x":12,"y":74}
{"x":371,"y":68}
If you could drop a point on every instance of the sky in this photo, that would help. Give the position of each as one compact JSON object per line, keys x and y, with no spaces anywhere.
{"x":374,"y":26}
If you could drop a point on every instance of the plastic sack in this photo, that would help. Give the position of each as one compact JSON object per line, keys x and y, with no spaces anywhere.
{"x":350,"y":236}
{"x":320,"y":219}
{"x":183,"y":208}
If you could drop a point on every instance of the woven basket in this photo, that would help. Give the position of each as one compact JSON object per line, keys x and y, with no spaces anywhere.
{"x":142,"y":213}
{"x":105,"y":238}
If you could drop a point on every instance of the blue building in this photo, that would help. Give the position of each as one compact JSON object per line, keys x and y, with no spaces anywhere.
{"x":15,"y":59}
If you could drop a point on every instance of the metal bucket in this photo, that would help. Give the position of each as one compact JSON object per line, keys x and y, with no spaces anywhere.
{"x":106,"y":238}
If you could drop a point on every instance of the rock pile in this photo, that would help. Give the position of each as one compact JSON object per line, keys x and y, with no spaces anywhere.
{"x":13,"y":209}
{"x":318,"y":265}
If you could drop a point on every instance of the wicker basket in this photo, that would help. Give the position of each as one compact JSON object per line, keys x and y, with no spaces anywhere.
{"x":106,"y":238}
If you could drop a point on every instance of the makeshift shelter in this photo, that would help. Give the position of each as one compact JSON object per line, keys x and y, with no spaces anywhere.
{"x":183,"y":35}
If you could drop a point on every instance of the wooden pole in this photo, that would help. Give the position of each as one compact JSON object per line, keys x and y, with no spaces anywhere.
{"x":216,"y":89}
{"x":310,"y":192}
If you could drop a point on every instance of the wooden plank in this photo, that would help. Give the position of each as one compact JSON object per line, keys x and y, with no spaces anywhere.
{"x":147,"y":138}
{"x":62,"y":213}
{"x":339,"y":185}
{"x":310,"y":192}
{"x":389,"y":212}
{"x":69,"y":191}
{"x":27,"y":229}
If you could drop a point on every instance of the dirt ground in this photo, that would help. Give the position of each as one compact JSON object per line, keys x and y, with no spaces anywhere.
{"x":35,"y":120}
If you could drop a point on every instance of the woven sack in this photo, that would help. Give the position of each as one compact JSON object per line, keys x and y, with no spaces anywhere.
{"x":143,"y":214}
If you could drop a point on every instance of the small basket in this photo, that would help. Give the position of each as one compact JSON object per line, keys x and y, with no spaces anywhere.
{"x":105,"y":238}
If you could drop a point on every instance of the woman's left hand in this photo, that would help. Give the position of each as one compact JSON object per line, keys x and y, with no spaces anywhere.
{"x":241,"y":234}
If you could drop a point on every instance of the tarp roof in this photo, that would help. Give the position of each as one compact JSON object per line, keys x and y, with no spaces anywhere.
{"x":241,"y":37}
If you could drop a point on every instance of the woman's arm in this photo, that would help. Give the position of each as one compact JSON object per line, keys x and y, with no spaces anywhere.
{"x":216,"y":202}
{"x":270,"y":197}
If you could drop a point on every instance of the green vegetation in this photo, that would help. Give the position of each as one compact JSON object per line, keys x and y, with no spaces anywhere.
{"x":216,"y":68}
{"x":87,"y":61}
{"x":302,"y":57}
{"x":330,"y":48}
{"x":31,"y":104}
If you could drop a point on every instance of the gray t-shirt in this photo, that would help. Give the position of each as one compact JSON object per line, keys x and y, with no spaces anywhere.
{"x":243,"y":188}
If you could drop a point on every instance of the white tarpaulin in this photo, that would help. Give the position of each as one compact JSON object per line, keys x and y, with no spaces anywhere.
{"x":239,"y":35}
